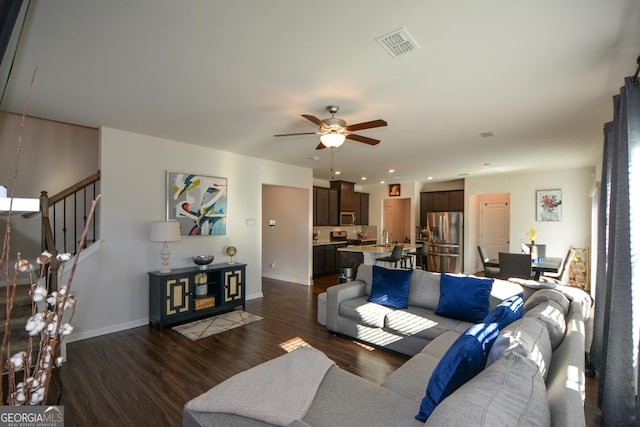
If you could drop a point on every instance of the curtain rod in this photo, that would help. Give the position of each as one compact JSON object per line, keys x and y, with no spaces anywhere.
{"x":634,"y":79}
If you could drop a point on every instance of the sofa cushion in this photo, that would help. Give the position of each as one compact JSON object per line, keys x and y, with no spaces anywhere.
{"x":365,"y":275}
{"x":440,"y":345}
{"x":425,"y":289}
{"x":506,"y":312}
{"x":410,"y":380}
{"x":542,"y":296}
{"x":419,"y":322}
{"x":390,"y":287}
{"x":364,"y":312}
{"x":464,"y":360}
{"x":527,"y":337}
{"x":510,"y":392}
{"x":552,"y":315}
{"x":464,"y":297}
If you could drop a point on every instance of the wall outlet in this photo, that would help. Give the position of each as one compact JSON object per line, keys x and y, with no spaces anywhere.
{"x":273,"y":264}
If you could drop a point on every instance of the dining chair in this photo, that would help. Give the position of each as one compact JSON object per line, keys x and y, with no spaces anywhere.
{"x":562,"y":276}
{"x":422,"y":255}
{"x":515,"y":265}
{"x":396,"y":255}
{"x":537,"y":251}
{"x":488,"y":270}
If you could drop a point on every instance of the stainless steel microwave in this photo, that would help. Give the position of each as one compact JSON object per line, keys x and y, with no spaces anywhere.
{"x":347,"y":218}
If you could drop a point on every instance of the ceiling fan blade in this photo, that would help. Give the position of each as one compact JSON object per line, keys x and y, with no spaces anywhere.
{"x":292,"y":134}
{"x":367,"y":125}
{"x":315,"y":120}
{"x":321,"y":146}
{"x":364,"y":139}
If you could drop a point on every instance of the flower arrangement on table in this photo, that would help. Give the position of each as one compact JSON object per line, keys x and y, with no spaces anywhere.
{"x":532,"y":233}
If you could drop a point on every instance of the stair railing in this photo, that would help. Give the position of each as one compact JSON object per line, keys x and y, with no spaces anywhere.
{"x":64,"y":216}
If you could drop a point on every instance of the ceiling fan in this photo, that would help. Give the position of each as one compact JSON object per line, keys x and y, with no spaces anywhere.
{"x":333,"y":131}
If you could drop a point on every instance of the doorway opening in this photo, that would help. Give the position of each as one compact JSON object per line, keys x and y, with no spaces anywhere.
{"x":396,"y":219}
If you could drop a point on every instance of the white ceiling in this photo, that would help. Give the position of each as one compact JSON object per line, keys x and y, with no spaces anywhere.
{"x":231,"y":74}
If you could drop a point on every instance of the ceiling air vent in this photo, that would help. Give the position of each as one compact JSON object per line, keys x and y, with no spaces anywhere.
{"x":397,"y":42}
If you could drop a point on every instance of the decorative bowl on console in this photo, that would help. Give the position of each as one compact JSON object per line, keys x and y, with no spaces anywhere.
{"x":202,"y":261}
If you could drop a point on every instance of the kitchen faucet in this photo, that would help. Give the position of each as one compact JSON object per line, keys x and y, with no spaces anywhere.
{"x":385,"y":237}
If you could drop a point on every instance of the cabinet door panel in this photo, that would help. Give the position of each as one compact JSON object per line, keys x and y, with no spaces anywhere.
{"x":233,"y":284}
{"x":334,"y":207}
{"x":456,"y":201}
{"x":440,"y":201}
{"x":321,"y":206}
{"x":178,"y":296}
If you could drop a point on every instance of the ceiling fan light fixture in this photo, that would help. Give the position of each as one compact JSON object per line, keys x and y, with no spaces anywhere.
{"x":332,"y":140}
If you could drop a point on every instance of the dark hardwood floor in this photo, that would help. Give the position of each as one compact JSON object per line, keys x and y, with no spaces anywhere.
{"x":143,"y":377}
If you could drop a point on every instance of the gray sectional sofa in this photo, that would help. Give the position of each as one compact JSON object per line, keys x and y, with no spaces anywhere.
{"x":534,"y":372}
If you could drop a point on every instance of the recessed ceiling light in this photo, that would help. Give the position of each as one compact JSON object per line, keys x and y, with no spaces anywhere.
{"x":363,"y":178}
{"x":382,"y":182}
{"x":391,"y":170}
{"x":337,"y":172}
{"x":429,"y":177}
{"x":314,"y":158}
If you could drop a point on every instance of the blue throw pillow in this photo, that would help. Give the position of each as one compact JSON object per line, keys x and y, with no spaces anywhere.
{"x":464,"y":297}
{"x":466,"y":357}
{"x":507,"y":311}
{"x":390,"y":287}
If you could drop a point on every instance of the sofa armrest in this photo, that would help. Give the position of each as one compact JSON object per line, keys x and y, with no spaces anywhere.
{"x":338,"y":293}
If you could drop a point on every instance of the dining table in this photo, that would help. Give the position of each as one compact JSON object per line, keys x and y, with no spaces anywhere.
{"x":538,"y":265}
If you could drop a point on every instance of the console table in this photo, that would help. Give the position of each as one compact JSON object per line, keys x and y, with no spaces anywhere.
{"x":186,"y":294}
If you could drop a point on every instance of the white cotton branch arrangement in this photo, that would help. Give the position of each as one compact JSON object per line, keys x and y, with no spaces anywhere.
{"x":51,"y":312}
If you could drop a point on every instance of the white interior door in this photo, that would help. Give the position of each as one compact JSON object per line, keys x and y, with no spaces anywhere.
{"x":494,"y":227}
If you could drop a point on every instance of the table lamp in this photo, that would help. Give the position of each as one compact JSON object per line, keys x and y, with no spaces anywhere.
{"x":165,"y":232}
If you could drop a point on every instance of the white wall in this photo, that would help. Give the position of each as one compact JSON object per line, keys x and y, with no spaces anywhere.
{"x":112,"y":286}
{"x":380,"y":192}
{"x":285,"y":255}
{"x":573,"y":230}
{"x":53,"y":156}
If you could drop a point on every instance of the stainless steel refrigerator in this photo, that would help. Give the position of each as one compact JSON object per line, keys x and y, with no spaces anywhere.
{"x":445,"y":241}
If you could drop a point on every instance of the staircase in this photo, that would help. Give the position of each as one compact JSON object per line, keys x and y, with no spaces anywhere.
{"x":19,"y":316}
{"x":63,"y":218}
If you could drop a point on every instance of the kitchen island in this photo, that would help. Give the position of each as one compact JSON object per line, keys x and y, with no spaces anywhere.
{"x":372,"y":252}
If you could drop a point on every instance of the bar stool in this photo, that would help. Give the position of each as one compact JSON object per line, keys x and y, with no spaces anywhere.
{"x":422,"y":254}
{"x":396,"y":255}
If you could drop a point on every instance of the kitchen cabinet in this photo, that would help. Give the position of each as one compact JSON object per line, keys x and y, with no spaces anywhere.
{"x":362,"y":208}
{"x":325,"y":206}
{"x":456,"y":201}
{"x":347,"y":199}
{"x":189,"y":293}
{"x":440,"y":201}
{"x":325,"y":259}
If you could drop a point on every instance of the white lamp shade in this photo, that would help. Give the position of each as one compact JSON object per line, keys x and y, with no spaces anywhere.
{"x":332,"y":139}
{"x":165,"y":231}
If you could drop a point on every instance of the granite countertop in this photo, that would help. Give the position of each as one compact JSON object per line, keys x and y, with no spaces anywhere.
{"x":375,"y":249}
{"x":328,"y":242}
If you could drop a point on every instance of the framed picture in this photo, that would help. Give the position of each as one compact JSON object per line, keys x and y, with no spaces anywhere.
{"x":198,"y":203}
{"x":394,"y":190}
{"x":548,"y":205}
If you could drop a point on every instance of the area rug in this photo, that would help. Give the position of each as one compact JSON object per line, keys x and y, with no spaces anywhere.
{"x":216,"y":324}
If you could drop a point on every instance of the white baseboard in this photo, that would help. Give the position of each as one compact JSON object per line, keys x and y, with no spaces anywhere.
{"x":104,"y":331}
{"x":287,"y":279}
